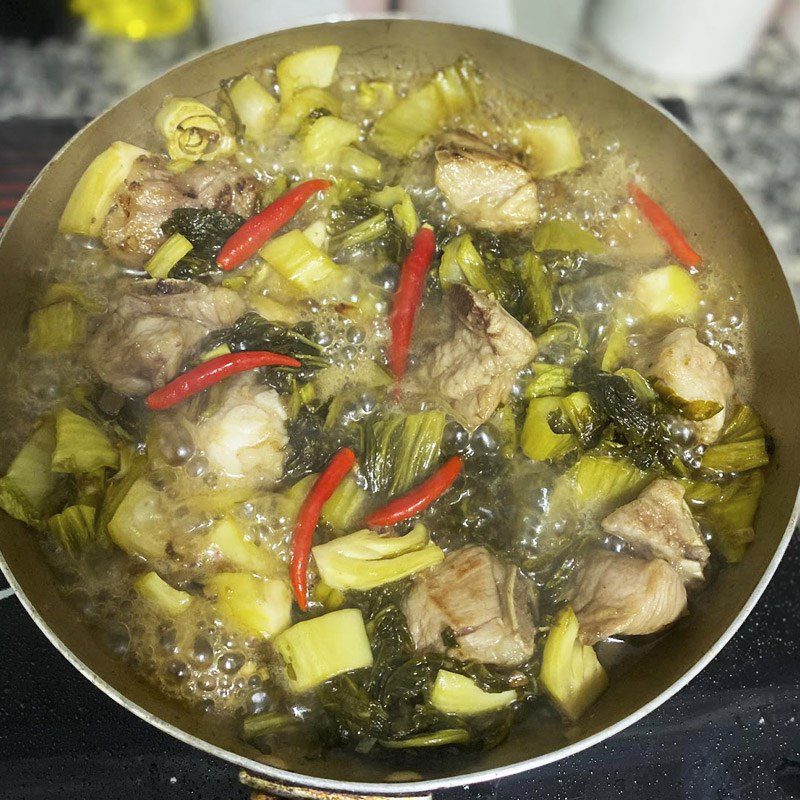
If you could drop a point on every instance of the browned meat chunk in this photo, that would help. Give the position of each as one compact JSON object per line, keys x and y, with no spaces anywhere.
{"x":619,"y":594}
{"x":483,"y":602}
{"x":694,"y":371}
{"x":223,"y":185}
{"x":147,"y":333}
{"x":660,"y":524}
{"x":132,"y":229}
{"x":475,"y":368}
{"x":484,"y":188}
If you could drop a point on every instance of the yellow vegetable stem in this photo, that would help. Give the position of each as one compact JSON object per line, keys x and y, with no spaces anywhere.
{"x":193,"y":131}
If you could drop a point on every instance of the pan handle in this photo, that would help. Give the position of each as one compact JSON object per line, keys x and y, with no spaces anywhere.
{"x":264,"y":789}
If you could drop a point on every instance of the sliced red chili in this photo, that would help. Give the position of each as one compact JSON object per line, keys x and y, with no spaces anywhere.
{"x":665,"y":227}
{"x":211,"y":372}
{"x":408,"y":296}
{"x":419,"y":498}
{"x":307,"y":519}
{"x":253,"y":234}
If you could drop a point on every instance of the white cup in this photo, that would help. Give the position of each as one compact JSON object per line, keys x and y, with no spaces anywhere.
{"x":680,"y":40}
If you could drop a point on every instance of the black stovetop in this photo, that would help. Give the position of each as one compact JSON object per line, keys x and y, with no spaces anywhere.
{"x":732,"y":733}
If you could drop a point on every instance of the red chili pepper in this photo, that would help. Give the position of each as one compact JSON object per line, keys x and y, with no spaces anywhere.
{"x":407,"y":298}
{"x":419,"y":498}
{"x":252,"y":235}
{"x":211,"y":372}
{"x":308,"y":518}
{"x":664,"y":227}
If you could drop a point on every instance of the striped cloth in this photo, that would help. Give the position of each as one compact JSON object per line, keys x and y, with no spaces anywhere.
{"x":25,"y":147}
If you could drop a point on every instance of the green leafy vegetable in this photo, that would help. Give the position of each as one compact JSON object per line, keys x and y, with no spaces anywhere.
{"x":572,"y":677}
{"x":400,"y":449}
{"x":537,"y":298}
{"x":548,"y":380}
{"x":81,"y":446}
{"x":301,"y":263}
{"x":742,"y":445}
{"x":538,"y":439}
{"x":74,"y":528}
{"x":168,"y":255}
{"x":57,"y":328}
{"x":26,"y":489}
{"x":206,"y":230}
{"x":159,"y":593}
{"x":365,"y":559}
{"x":565,"y":235}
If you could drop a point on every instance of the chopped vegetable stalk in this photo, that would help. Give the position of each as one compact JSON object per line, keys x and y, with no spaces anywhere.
{"x":359,"y":165}
{"x":440,"y":738}
{"x":538,"y":440}
{"x":551,"y":146}
{"x":597,"y":482}
{"x":460,"y":261}
{"x":665,"y":227}
{"x":159,"y":593}
{"x":571,"y":675}
{"x":405,"y":216}
{"x":193,"y":131}
{"x":736,"y":456}
{"x":345,"y":506}
{"x":93,"y":195}
{"x":74,"y":528}
{"x":215,"y":352}
{"x":400,"y":450}
{"x":325,"y":139}
{"x":388,"y":196}
{"x":255,"y":108}
{"x":729,"y":510}
{"x":57,"y":328}
{"x":640,"y":385}
{"x":168,"y":255}
{"x":668,"y":293}
{"x":457,"y":694}
{"x":424,"y":111}
{"x":743,"y":426}
{"x":567,"y":236}
{"x":538,"y":295}
{"x":256,"y":606}
{"x":364,"y":559}
{"x":81,"y":446}
{"x":137,"y":525}
{"x":318,"y":649}
{"x":302,"y":104}
{"x":268,"y":722}
{"x":616,"y":346}
{"x":695,"y":410}
{"x":329,"y":597}
{"x":549,"y":380}
{"x":299,"y":261}
{"x":317,"y":234}
{"x":377,"y":95}
{"x":227,"y":540}
{"x":582,"y":416}
{"x":505,"y":424}
{"x":312,"y":67}
{"x":364,"y":232}
{"x":27,"y":487}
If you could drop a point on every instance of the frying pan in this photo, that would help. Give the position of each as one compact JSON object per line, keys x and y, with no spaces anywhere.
{"x":688,"y":182}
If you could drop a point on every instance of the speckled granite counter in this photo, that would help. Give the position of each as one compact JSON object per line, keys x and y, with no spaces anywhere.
{"x":749,"y":123}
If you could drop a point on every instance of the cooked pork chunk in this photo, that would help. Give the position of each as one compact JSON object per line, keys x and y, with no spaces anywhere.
{"x":483,"y":602}
{"x":245,"y":437}
{"x":475,"y":368}
{"x":484,"y":188}
{"x":150,"y":193}
{"x":694,"y":371}
{"x":149,"y":330}
{"x":660,"y":524}
{"x":619,"y":594}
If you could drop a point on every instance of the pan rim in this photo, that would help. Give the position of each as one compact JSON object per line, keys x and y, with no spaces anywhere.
{"x":411,"y":788}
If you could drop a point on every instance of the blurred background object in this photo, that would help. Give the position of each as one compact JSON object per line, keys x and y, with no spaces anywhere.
{"x":731,"y":68}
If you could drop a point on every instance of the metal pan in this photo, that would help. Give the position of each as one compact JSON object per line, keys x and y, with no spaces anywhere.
{"x":708,"y":205}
